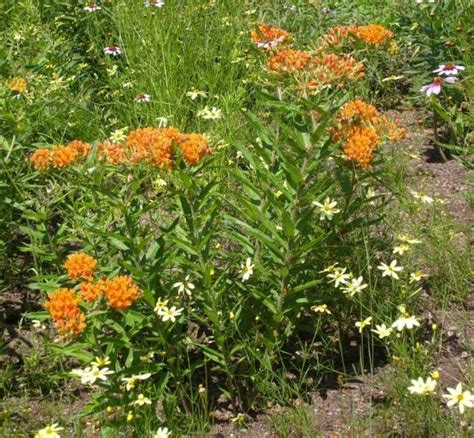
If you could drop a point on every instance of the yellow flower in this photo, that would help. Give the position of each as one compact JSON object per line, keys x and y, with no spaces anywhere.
{"x":364,"y":323}
{"x":100,"y":362}
{"x":141,"y":400}
{"x":18,"y":84}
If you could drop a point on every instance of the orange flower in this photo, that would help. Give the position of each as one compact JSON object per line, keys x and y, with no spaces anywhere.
{"x":362,"y":127}
{"x":268,"y":37}
{"x":288,"y":60}
{"x":80,"y":147}
{"x":18,"y":84}
{"x":373,"y":34}
{"x":152,"y":145}
{"x":357,"y":111}
{"x":113,"y":153}
{"x":193,"y":147}
{"x":360,"y":145}
{"x":41,"y":159}
{"x":390,"y":129}
{"x":121,"y":292}
{"x":336,"y":36}
{"x":63,"y":155}
{"x":329,"y":68}
{"x":80,"y":265}
{"x":91,"y":291}
{"x":63,"y":306}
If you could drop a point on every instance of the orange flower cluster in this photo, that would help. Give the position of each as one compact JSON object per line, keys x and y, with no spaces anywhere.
{"x":63,"y":306}
{"x":59,"y":156}
{"x":92,"y":291}
{"x":156,"y":146}
{"x":373,"y":34}
{"x":362,"y":127}
{"x":330,"y":68}
{"x":18,"y":85}
{"x":269,"y":37}
{"x":356,"y":112}
{"x":41,"y":159}
{"x":338,"y":36}
{"x":113,"y":153}
{"x":193,"y":146}
{"x":288,"y":60}
{"x":121,"y":292}
{"x":360,"y":145}
{"x":80,"y":265}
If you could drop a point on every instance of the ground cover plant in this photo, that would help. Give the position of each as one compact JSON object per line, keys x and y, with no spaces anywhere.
{"x":219,"y":215}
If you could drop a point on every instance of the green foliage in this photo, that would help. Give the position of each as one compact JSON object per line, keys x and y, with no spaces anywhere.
{"x":235,"y":257}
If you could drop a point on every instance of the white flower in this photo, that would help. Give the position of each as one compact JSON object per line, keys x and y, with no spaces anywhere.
{"x":459,"y":397}
{"x":113,"y":50}
{"x":247,"y":269}
{"x":90,"y":375}
{"x":157,"y":3}
{"x":130,"y":382}
{"x":37,"y":325}
{"x":405,"y":320}
{"x":141,"y":400}
{"x":361,"y":324}
{"x":449,"y":69}
{"x":321,"y":308}
{"x":119,"y":135}
{"x":390,"y":270}
{"x":382,"y":331}
{"x":210,"y":114}
{"x":354,"y":286}
{"x":422,"y":387}
{"x":339,"y":276}
{"x":194,"y":94}
{"x":49,"y":431}
{"x":417,"y":276}
{"x":142,"y":98}
{"x":185,"y":286}
{"x":170,"y":314}
{"x":422,"y":197}
{"x":160,"y":305}
{"x":83,"y":374}
{"x":271,"y":43}
{"x":401,"y":249}
{"x":162,"y":432}
{"x":98,"y":374}
{"x":162,"y":122}
{"x":92,"y":7}
{"x":408,"y":239}
{"x":327,"y":209}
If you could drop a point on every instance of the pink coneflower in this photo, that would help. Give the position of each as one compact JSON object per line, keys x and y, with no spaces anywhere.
{"x":449,"y":69}
{"x":143,"y":98}
{"x":113,"y":51}
{"x":157,"y":3}
{"x":92,"y":7}
{"x":435,"y":86}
